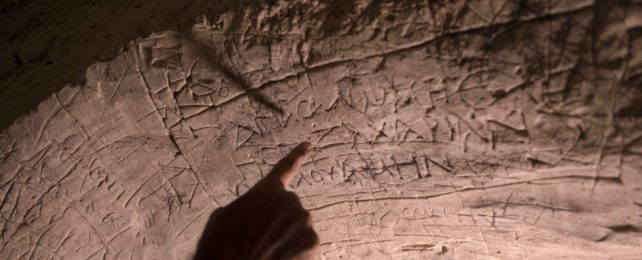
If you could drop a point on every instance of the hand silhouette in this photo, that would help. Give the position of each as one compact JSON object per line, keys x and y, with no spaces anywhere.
{"x":267,"y":222}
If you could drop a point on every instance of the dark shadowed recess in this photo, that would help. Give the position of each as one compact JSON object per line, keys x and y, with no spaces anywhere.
{"x":47,"y":44}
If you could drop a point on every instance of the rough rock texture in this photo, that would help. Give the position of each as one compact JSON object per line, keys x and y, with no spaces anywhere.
{"x":457,"y":129}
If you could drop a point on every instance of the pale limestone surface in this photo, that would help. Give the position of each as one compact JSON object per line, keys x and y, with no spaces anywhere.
{"x":464,"y":130}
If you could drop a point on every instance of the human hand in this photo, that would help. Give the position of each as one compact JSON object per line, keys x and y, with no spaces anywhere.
{"x":267,"y":222}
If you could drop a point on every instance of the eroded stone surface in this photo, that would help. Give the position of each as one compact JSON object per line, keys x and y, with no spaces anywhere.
{"x":461,"y":129}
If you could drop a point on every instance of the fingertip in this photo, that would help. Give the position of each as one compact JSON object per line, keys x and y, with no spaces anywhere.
{"x":287,"y":167}
{"x":300,"y":154}
{"x":303,"y":149}
{"x":307,"y":146}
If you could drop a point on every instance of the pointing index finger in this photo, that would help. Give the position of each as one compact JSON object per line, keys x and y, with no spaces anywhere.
{"x":287,"y":167}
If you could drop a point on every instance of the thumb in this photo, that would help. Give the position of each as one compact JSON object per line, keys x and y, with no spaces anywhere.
{"x":287,"y":167}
